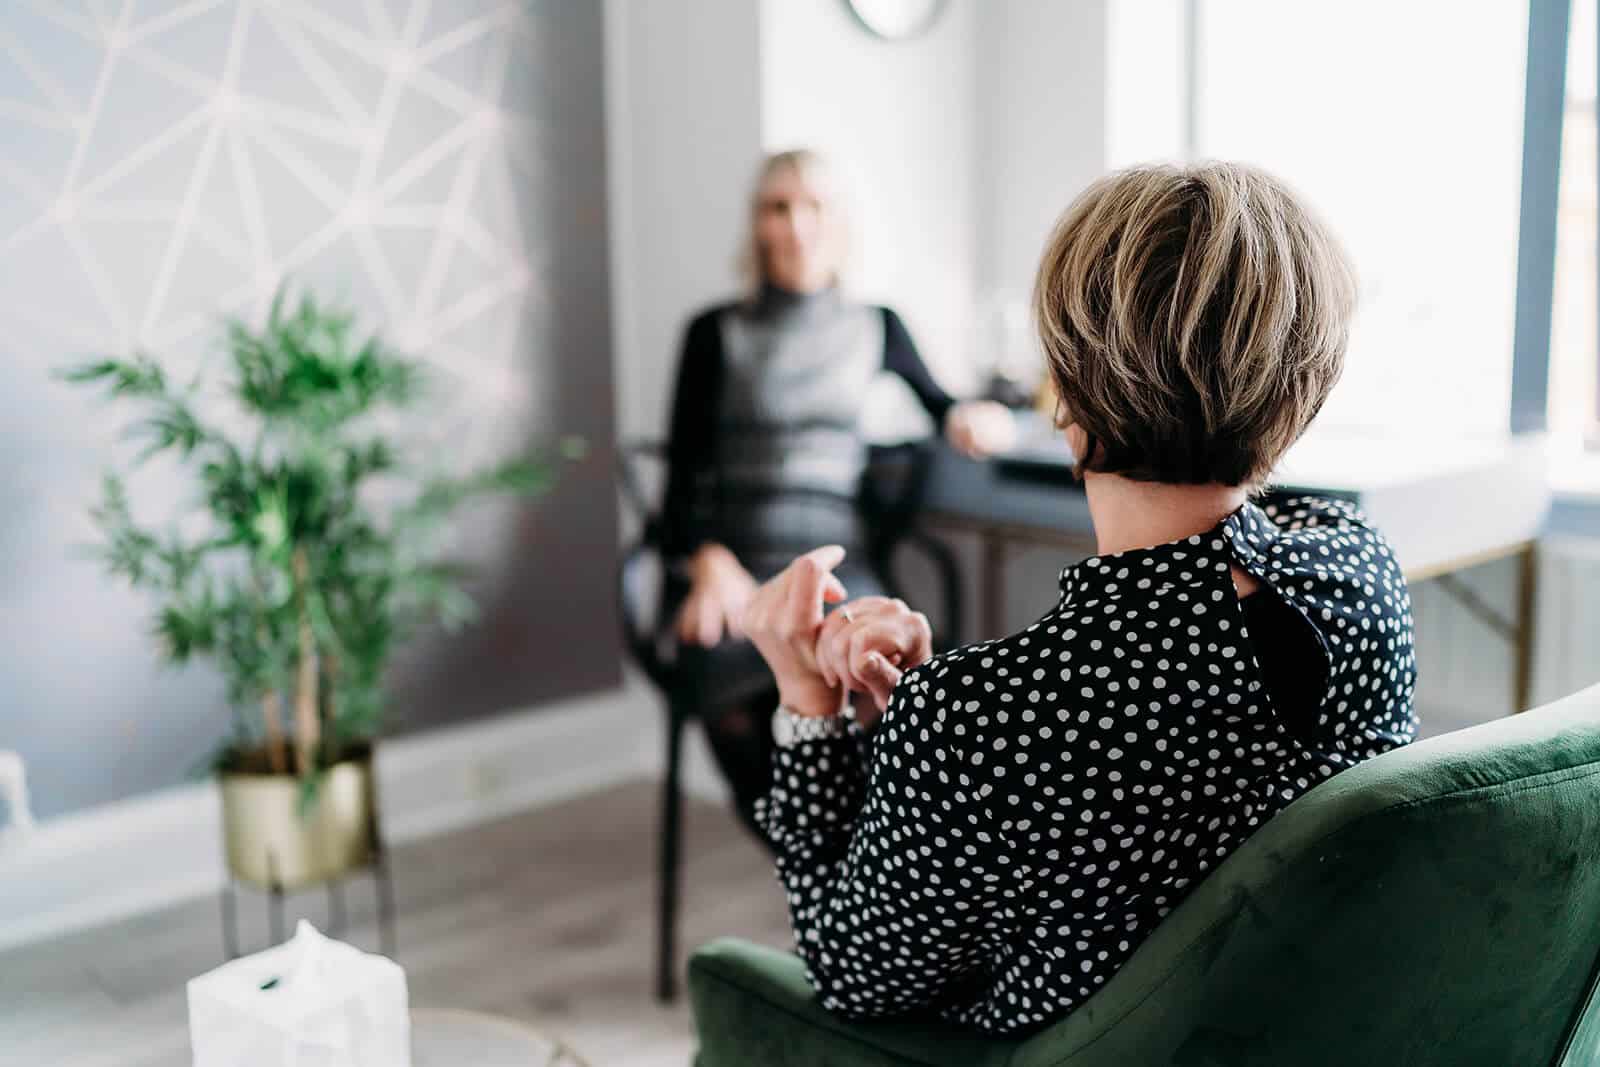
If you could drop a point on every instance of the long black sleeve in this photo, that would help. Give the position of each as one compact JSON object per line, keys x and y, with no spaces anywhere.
{"x":900,"y":357}
{"x":870,"y":857}
{"x":691,"y":437}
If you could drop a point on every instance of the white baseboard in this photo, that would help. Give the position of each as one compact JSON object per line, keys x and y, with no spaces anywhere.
{"x":465,"y":775}
{"x":107,"y":863}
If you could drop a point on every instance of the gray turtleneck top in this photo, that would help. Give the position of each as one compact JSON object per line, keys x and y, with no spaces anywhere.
{"x":765,"y":448}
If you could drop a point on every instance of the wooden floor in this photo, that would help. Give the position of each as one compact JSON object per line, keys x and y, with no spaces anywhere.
{"x":547,"y":917}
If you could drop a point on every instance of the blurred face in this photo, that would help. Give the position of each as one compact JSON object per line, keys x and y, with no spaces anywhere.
{"x":794,"y":231}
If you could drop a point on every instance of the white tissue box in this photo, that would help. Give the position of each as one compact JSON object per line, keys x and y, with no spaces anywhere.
{"x":310,"y":1002}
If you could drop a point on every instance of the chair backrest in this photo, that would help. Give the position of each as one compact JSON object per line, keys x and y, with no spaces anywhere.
{"x":1438,"y":906}
{"x":892,"y":489}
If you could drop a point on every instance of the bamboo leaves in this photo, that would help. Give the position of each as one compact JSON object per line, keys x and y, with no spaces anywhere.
{"x":289,"y":577}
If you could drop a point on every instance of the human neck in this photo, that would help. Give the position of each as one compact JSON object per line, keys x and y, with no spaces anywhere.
{"x":775,"y":299}
{"x":810,"y":285}
{"x":1129,"y":514}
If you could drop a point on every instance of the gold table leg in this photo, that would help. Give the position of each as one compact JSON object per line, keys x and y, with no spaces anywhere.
{"x":1527,"y":605}
{"x":994,"y":585}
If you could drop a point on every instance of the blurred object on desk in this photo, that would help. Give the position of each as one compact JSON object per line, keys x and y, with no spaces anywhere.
{"x":1013,"y":361}
{"x":1041,"y":453}
{"x":1008,"y":391}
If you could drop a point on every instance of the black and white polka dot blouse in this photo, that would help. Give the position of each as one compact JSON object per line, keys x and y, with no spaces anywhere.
{"x":1029,"y":808}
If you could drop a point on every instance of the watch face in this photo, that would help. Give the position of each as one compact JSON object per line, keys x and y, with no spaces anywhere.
{"x":896,"y":20}
{"x":783,"y":728}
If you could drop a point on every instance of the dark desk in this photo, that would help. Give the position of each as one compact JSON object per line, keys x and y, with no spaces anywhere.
{"x":1002,"y":508}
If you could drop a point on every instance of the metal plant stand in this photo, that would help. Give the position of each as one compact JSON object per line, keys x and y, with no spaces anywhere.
{"x":383,"y":888}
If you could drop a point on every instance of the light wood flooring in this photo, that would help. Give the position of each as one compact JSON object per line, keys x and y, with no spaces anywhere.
{"x":547,"y":917}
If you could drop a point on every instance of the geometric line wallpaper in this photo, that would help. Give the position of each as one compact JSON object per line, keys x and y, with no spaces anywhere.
{"x":435,"y":164}
{"x":193,"y":111}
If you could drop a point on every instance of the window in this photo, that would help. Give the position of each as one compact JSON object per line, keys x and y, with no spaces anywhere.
{"x":1402,"y":124}
{"x":1574,"y":399}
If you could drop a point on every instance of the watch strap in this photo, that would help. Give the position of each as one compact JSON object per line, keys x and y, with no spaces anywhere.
{"x":789,"y":729}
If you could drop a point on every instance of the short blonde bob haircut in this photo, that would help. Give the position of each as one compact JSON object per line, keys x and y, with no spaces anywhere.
{"x":1193,"y":320}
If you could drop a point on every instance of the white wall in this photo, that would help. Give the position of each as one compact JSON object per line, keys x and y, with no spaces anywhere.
{"x":899,"y":121}
{"x":1146,"y":76}
{"x":1042,"y":116}
{"x":683,"y":136}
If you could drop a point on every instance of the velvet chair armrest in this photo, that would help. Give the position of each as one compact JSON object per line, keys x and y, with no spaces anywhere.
{"x":752,"y":1005}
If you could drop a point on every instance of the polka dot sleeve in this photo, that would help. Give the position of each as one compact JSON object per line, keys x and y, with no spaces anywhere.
{"x":890,"y":868}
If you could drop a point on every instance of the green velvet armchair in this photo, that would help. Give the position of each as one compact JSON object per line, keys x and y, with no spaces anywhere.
{"x":1438,"y":906}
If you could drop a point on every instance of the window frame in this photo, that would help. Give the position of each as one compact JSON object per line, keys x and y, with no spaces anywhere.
{"x":1544,"y":112}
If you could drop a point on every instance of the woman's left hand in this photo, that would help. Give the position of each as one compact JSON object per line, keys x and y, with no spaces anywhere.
{"x":980,"y":428}
{"x":783,"y":618}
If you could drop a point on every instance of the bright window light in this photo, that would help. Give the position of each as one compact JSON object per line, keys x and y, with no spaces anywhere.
{"x":1402,"y":124}
{"x":1574,"y":388}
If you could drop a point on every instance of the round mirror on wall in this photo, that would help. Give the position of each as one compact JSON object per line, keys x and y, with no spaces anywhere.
{"x":896,"y":20}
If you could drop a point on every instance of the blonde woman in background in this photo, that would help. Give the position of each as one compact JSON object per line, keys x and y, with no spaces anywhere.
{"x":766,"y":448}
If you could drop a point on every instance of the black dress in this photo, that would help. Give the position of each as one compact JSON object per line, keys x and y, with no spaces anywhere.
{"x":1030,"y":808}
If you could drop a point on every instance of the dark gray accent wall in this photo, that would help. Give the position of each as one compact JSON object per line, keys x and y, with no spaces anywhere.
{"x":440,"y":167}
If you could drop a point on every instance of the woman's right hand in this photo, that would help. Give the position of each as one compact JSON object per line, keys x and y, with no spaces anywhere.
{"x":719,"y":589}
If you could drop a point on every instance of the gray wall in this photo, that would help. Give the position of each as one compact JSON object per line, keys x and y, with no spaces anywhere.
{"x":440,"y":167}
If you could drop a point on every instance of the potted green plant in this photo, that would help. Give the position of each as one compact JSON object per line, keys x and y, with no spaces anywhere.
{"x":289,"y":572}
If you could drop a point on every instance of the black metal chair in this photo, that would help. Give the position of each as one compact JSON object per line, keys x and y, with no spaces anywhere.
{"x":889,"y":498}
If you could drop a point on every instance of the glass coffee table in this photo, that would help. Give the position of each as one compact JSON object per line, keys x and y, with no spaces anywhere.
{"x":449,"y":1037}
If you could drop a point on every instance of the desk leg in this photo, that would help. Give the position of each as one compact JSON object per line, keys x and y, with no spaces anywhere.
{"x":994,"y":585}
{"x":1527,"y":606}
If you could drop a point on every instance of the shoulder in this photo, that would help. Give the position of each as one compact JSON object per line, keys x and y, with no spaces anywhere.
{"x":967,"y":694}
{"x":894,"y":326}
{"x":989,"y":722}
{"x":702,"y":337}
{"x":935,"y":731}
{"x":930,"y":696}
{"x":1322,"y":541}
{"x":1342,"y":574}
{"x":1308,"y":512}
{"x":710,"y":318}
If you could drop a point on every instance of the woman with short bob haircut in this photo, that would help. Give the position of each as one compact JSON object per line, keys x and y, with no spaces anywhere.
{"x":1028,"y":809}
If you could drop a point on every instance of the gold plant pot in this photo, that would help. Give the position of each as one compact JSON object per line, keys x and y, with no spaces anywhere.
{"x":272,"y":844}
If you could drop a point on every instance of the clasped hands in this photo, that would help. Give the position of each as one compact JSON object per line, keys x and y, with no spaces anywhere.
{"x":819,"y":658}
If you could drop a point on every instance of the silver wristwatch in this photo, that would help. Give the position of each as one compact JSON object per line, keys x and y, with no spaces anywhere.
{"x":789,"y":729}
